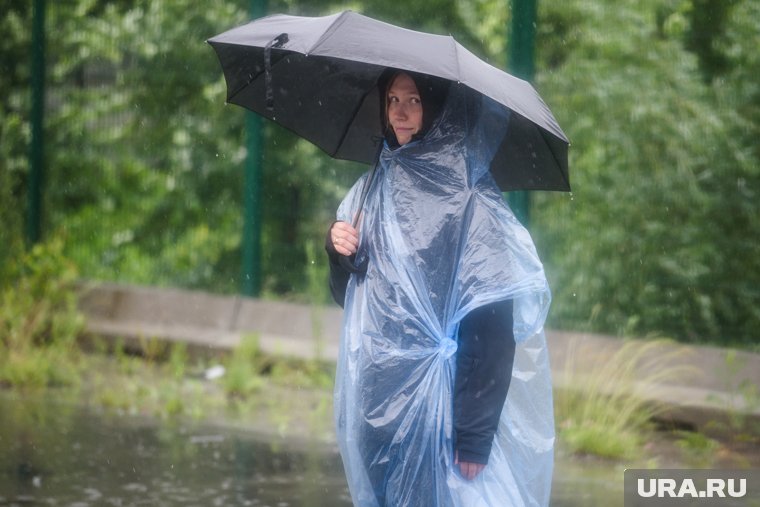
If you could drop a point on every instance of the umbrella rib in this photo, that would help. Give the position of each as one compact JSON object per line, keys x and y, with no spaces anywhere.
{"x":235,"y":94}
{"x":356,"y":109}
{"x":556,"y":161}
{"x":255,"y":77}
{"x":456,"y":54}
{"x":328,"y":31}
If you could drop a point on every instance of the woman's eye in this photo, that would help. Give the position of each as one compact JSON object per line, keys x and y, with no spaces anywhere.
{"x":416,"y":100}
{"x":393,"y":99}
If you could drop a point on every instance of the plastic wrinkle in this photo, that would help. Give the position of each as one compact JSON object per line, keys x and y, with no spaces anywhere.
{"x":440,"y":242}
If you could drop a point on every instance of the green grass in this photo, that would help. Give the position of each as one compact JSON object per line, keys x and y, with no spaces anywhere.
{"x":743,"y":399}
{"x":243,"y":368}
{"x":698,"y":449}
{"x":39,"y":320}
{"x":604,"y":410}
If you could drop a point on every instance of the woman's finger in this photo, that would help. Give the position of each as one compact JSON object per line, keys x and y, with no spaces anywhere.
{"x":469,"y":470}
{"x":346,"y":231}
{"x":344,"y":248}
{"x":345,"y":238}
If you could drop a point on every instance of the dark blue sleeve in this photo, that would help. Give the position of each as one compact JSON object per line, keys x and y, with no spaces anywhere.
{"x":484,"y":369}
{"x":338,"y":274}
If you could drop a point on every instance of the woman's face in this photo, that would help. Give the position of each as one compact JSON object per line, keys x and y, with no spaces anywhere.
{"x":404,"y":108}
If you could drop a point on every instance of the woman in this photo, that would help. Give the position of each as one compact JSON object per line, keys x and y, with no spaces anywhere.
{"x":449,"y":293}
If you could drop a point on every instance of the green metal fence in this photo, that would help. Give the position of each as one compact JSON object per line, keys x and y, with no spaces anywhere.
{"x":150,"y":177}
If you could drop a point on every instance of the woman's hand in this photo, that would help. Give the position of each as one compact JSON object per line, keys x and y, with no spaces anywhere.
{"x":344,"y":238}
{"x":468,"y":470}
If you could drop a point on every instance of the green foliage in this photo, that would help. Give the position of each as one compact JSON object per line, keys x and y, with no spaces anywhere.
{"x":740,"y":401}
{"x":699,"y":449}
{"x":145,"y":161}
{"x":650,"y":239}
{"x":152,"y":349}
{"x":242,"y":376}
{"x":178,"y":359}
{"x":149,"y":182}
{"x":39,"y":320}
{"x":706,"y":27}
{"x":311,"y":374}
{"x":659,"y":99}
{"x":11,"y":234}
{"x":14,"y":133}
{"x":302,"y":187}
{"x":15,"y":24}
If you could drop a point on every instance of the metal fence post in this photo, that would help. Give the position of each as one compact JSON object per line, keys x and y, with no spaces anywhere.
{"x":521,"y":64}
{"x":37,"y":119}
{"x":251,"y":251}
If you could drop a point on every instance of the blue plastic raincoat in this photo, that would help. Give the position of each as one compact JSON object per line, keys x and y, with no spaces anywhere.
{"x":439,"y":241}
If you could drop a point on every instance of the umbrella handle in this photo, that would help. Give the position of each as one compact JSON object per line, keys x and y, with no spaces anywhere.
{"x":345,"y":261}
{"x":277,"y":42}
{"x":368,"y":183}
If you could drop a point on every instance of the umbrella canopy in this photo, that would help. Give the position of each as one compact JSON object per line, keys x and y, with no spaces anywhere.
{"x":322,"y":85}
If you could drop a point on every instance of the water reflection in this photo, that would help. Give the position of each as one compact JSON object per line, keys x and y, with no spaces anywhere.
{"x":55,"y":453}
{"x":51,"y":455}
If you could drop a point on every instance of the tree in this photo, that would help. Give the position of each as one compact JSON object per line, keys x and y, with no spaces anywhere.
{"x":640,"y":246}
{"x":14,"y":133}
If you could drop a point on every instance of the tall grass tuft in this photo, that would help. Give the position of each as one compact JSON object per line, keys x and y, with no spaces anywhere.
{"x":243,"y":368}
{"x":604,"y":406}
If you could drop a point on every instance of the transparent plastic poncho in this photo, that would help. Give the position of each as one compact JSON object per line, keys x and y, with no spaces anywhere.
{"x":439,"y":241}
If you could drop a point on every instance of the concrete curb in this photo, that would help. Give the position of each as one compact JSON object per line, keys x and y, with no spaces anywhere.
{"x":210,"y":324}
{"x":712,"y":387}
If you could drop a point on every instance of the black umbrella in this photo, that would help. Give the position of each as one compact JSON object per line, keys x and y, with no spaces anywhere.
{"x":318,"y":77}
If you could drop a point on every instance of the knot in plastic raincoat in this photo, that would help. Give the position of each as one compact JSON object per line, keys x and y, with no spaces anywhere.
{"x":439,"y":241}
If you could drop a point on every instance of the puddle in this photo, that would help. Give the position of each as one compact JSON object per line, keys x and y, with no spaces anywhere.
{"x":56,"y":453}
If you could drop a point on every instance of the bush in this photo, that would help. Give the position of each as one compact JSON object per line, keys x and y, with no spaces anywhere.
{"x":39,"y":320}
{"x":656,"y":235}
